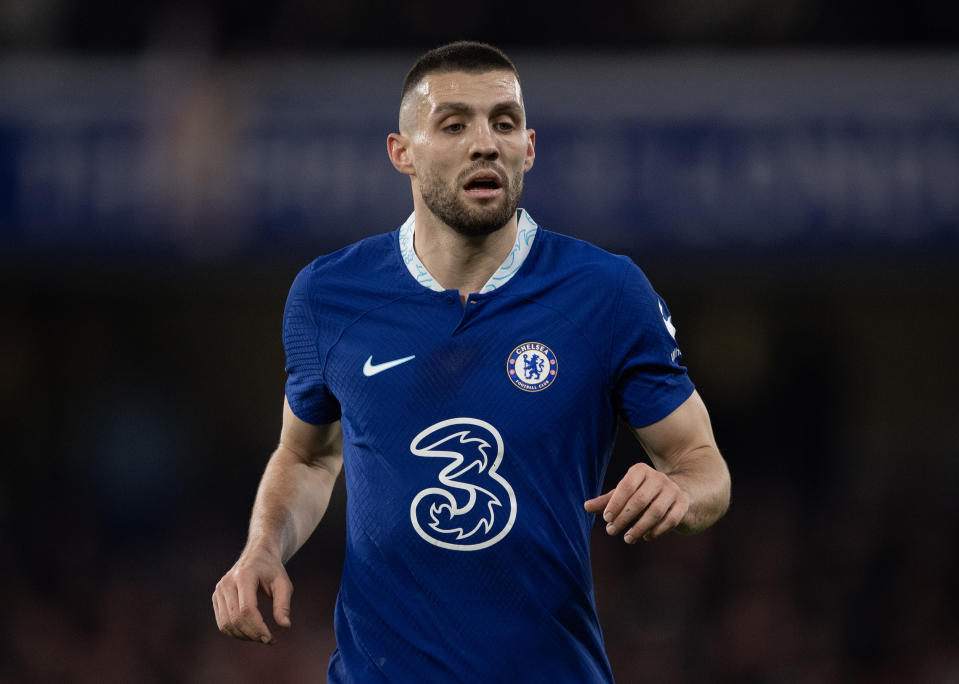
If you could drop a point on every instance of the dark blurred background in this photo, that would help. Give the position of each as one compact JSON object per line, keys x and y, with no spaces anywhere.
{"x":786,"y":173}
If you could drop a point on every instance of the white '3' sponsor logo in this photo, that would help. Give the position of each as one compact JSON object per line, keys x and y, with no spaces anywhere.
{"x":469,"y":506}
{"x":370,"y":369}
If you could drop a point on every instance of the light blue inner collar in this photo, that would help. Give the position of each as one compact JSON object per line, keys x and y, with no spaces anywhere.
{"x":525,"y":232}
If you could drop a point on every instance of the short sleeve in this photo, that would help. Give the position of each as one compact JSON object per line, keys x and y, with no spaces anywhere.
{"x":306,"y":390}
{"x":649,"y":383}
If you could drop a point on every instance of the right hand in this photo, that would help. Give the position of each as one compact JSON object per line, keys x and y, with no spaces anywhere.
{"x":235,"y":597}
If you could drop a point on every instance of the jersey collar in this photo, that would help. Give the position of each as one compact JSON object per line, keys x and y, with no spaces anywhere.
{"x":525,"y":232}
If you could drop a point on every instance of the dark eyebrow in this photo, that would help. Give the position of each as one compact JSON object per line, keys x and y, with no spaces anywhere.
{"x":447,"y":108}
{"x":510,"y":107}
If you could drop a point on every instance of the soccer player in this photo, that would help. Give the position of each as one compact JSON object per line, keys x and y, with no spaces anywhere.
{"x":467,"y":371}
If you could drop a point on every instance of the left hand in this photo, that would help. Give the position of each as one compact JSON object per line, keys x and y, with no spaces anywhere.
{"x":646,"y":504}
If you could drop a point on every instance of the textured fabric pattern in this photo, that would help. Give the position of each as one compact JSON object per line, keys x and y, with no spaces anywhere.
{"x":467,"y":549}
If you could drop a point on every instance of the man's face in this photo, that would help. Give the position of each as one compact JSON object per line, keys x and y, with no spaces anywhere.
{"x":469,"y":147}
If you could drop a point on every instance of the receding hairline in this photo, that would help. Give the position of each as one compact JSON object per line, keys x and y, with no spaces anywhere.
{"x":407,"y":105}
{"x":463,"y":56}
{"x":467,"y":56}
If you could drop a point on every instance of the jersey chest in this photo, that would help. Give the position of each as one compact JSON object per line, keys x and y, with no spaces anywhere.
{"x":457,"y":421}
{"x":498,"y":357}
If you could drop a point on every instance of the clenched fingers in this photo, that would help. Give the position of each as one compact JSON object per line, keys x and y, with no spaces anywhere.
{"x":650,"y":529}
{"x":645,"y":505}
{"x":661,"y":515}
{"x":228,"y":602}
{"x":237,"y":615}
{"x":250,"y":621}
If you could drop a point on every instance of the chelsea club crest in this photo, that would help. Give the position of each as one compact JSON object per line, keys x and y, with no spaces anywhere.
{"x":532,"y":366}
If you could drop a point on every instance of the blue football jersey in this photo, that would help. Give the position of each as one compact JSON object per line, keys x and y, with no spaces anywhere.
{"x":471,"y":438}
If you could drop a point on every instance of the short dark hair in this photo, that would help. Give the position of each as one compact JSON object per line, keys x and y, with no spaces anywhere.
{"x":463,"y":55}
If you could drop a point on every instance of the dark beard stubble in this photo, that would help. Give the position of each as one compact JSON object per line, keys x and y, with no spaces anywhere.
{"x":445,"y":203}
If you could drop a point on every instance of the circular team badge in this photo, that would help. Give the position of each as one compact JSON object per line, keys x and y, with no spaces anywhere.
{"x":532,"y":366}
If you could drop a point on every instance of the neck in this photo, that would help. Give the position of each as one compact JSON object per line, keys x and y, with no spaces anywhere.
{"x":456,"y":261}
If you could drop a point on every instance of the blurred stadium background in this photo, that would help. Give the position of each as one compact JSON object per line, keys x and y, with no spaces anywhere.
{"x":786,"y":173}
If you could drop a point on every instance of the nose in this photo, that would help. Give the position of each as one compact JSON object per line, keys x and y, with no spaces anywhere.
{"x":483,"y":144}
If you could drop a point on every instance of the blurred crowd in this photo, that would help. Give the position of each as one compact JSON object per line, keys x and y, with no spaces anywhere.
{"x":773,"y":594}
{"x":250,"y":26}
{"x":139,"y":407}
{"x":141,"y":396}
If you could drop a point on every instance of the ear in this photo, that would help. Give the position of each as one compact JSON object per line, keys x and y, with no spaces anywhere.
{"x":530,"y":151}
{"x":398,"y":147}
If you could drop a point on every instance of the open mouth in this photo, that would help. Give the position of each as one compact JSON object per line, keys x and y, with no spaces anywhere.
{"x":483,"y":185}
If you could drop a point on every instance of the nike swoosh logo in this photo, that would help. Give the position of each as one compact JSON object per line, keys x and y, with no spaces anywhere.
{"x":370,"y":369}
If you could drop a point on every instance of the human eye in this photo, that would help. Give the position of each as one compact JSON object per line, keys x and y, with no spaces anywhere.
{"x":454,"y":127}
{"x":504,"y":126}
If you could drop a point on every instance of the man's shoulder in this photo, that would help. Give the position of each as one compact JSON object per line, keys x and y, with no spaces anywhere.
{"x":563,"y":254}
{"x":584,"y":281}
{"x":570,"y":243}
{"x":357,"y":259}
{"x":356,"y":277}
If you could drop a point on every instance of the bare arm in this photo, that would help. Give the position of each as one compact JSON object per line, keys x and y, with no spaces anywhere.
{"x":689,"y":488}
{"x":296,"y":485}
{"x":292,"y":497}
